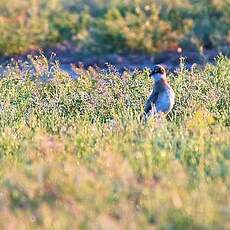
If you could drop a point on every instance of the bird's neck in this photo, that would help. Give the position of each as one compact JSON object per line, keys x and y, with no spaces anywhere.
{"x":158,"y":76}
{"x":161,"y":83}
{"x":164,"y":81}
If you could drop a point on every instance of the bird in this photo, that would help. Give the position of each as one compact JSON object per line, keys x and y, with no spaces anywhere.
{"x":162,"y":96}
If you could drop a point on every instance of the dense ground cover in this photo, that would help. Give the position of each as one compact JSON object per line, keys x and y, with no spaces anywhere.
{"x":73,"y":153}
{"x":113,"y":26}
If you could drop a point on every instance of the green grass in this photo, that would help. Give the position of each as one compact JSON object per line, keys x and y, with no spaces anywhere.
{"x":74,"y":153}
{"x":99,"y":26}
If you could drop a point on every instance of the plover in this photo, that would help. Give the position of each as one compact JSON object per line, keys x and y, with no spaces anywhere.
{"x":161,"y":99}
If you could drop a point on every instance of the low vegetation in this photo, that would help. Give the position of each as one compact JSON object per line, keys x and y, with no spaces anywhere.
{"x":113,"y":26}
{"x":75,"y":153}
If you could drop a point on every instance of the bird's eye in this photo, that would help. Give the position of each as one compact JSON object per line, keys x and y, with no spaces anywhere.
{"x":156,"y":70}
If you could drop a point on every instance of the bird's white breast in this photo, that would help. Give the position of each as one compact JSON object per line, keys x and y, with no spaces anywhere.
{"x":165,"y":101}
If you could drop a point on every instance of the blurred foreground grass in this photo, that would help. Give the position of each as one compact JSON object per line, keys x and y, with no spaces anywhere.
{"x":73,"y":153}
{"x":113,"y":26}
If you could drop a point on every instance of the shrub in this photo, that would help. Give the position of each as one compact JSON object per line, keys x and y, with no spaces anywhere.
{"x":113,"y":26}
{"x":26,"y":25}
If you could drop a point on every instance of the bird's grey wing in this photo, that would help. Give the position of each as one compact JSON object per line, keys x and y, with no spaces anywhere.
{"x":150,"y":101}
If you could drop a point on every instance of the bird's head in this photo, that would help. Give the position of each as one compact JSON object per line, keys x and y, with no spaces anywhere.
{"x":158,"y":73}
